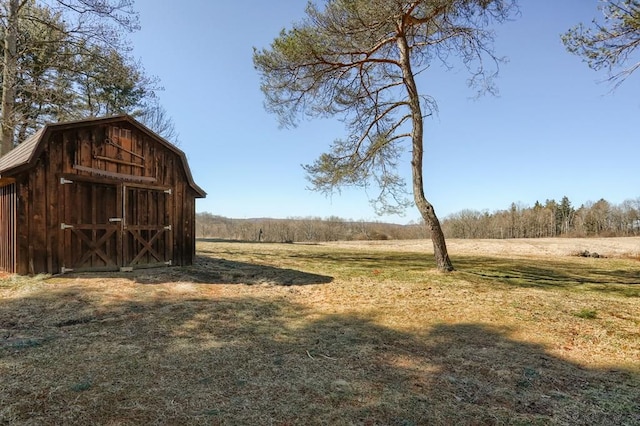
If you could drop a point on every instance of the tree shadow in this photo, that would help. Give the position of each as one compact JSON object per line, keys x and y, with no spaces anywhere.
{"x":208,"y":270}
{"x":367,"y":260}
{"x":521,"y":272}
{"x":533,"y":273}
{"x":72,"y":358}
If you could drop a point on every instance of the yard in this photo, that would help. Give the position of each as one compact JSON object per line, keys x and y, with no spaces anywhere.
{"x":338,"y":333}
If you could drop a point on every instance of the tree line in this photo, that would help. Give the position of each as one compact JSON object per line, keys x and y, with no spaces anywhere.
{"x":306,"y":229}
{"x":542,"y":220}
{"x":551,"y":219}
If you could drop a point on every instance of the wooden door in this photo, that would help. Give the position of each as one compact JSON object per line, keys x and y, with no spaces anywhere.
{"x":92,"y":238}
{"x":147,"y":234}
{"x":114,"y":227}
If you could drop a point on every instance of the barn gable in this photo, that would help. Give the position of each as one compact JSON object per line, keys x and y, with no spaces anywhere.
{"x":97,"y":194}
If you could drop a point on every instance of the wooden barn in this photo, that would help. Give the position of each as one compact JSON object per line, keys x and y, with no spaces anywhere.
{"x":99,"y":194}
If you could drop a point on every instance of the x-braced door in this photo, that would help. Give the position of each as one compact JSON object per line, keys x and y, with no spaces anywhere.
{"x":91,"y":231}
{"x":111,"y":227}
{"x":147,"y":235}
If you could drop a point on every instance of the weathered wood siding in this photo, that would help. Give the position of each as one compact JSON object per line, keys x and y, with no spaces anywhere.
{"x":7,"y":227}
{"x":102,"y":197}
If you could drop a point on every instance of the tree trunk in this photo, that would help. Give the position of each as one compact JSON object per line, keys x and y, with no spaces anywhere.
{"x":10,"y":65}
{"x":425,"y":208}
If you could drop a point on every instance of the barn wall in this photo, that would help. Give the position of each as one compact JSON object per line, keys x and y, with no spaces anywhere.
{"x":8,"y":202}
{"x":189,"y":237}
{"x":53,"y":164}
{"x":23,"y":224}
{"x":184,"y":224}
{"x":38,"y":221}
{"x":38,"y":231}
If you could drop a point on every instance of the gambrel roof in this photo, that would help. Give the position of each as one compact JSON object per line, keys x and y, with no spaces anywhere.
{"x":25,"y":155}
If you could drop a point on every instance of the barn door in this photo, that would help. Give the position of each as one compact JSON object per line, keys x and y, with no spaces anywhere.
{"x":111,"y":227}
{"x":147,"y":235}
{"x":91,"y":228}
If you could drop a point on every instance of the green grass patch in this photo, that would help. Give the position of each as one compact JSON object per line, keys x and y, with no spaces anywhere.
{"x":81,"y":386}
{"x":587,"y":314}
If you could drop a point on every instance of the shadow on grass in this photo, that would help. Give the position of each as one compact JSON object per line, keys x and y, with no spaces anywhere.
{"x":407,"y":261}
{"x":208,"y":270}
{"x":572,"y":273}
{"x":569,"y":274}
{"x":259,"y":361}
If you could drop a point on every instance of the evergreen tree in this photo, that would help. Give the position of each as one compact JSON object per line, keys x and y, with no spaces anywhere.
{"x":564,"y":216}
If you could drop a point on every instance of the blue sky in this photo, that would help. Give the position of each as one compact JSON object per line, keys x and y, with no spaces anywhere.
{"x":554,"y":130}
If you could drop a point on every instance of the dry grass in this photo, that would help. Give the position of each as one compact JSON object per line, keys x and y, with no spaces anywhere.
{"x":365,"y":334}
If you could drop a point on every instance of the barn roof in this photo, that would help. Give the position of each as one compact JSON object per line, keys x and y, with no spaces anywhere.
{"x":24,"y":155}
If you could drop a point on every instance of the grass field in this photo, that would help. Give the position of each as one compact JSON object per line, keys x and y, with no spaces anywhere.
{"x":364,"y":334}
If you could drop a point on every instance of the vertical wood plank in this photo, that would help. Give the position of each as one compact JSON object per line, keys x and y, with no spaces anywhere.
{"x":178,"y":242}
{"x":190,"y":234}
{"x":62,"y":198}
{"x":51,"y":208}
{"x":38,"y":228}
{"x":127,"y":218}
{"x":111,"y":150}
{"x":22,"y":226}
{"x":94,"y":194}
{"x":68,"y":151}
{"x":8,"y":202}
{"x":84,"y":147}
{"x":120,"y":233}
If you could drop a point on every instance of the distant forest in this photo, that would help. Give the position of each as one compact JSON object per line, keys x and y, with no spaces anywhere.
{"x":551,"y":219}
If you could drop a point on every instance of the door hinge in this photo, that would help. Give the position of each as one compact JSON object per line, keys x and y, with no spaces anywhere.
{"x":65,"y":181}
{"x":167,"y":191}
{"x":64,"y":270}
{"x":65,"y":226}
{"x":168,"y":263}
{"x":167,"y":228}
{"x":115,"y":219}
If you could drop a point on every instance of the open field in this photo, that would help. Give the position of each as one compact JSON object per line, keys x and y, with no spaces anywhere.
{"x":610,"y":247}
{"x":336,"y":333}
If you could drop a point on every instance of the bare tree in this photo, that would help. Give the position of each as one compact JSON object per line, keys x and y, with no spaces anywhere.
{"x":358,"y":60}
{"x":154,"y":116}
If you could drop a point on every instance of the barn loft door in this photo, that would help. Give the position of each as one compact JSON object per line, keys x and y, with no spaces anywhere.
{"x":91,"y":229}
{"x":112,"y":227}
{"x":147,"y":234}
